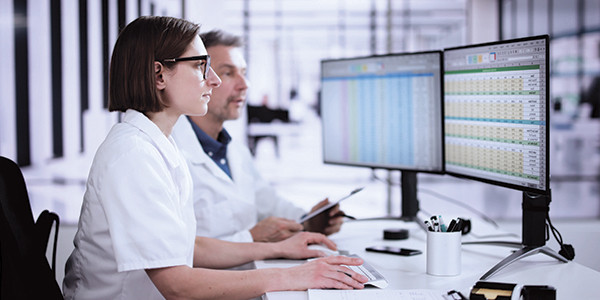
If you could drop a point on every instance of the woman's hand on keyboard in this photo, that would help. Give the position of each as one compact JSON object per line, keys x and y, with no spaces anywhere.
{"x":326,"y":273}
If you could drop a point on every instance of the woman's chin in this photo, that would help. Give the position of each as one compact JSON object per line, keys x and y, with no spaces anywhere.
{"x":200,"y":111}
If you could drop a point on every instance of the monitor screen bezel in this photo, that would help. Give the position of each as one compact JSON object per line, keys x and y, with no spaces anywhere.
{"x":547,"y":71}
{"x":441,"y":116}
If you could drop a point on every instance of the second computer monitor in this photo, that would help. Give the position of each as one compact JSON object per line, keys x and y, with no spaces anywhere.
{"x":384,"y":111}
{"x":496,"y":113}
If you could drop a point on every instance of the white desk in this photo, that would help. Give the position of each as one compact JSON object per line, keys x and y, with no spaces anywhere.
{"x":571,"y":280}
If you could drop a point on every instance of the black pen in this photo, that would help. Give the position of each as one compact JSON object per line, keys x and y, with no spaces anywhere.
{"x":459,"y":225}
{"x":341,"y":214}
{"x":452,"y":225}
{"x":429,"y":226}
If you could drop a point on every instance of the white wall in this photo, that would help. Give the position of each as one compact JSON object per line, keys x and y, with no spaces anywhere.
{"x":8,"y":132}
{"x":483,"y":21}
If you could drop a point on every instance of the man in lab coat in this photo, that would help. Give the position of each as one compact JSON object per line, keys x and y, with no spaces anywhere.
{"x":231,"y":200}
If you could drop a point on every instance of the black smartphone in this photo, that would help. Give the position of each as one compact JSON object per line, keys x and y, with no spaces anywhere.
{"x":394,"y":250}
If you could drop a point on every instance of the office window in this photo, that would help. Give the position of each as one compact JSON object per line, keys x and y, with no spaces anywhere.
{"x":591,"y":17}
{"x":564,"y":17}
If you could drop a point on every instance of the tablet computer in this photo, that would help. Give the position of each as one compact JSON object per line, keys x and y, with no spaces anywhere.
{"x":328,"y":206}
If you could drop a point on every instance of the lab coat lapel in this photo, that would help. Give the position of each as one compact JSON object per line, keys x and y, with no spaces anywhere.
{"x":188,"y":143}
{"x":236,"y":164}
{"x":213,"y":168}
{"x":240,"y":164}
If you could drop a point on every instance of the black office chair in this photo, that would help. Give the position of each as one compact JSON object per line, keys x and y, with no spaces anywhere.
{"x":24,"y":269}
{"x":263,"y":114}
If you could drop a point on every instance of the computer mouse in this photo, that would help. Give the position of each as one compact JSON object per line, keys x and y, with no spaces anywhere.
{"x":323,"y":249}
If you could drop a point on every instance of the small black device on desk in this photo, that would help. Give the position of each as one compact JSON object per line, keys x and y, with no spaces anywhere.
{"x":393,"y":250}
{"x":395,"y":234}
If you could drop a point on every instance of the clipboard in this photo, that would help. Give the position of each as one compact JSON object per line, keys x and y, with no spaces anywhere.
{"x":328,"y":206}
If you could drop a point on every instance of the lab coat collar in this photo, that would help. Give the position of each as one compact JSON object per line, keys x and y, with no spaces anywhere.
{"x":165,"y":145}
{"x":191,"y":148}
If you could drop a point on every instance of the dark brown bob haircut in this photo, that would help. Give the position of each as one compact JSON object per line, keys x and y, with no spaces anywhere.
{"x":132,"y":83}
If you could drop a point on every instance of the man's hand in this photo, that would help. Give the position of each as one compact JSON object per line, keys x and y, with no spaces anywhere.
{"x":329,"y":222}
{"x":296,"y":247}
{"x":273,"y":229}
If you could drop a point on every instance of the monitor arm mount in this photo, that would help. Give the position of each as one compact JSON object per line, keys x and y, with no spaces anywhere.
{"x":535,"y":209}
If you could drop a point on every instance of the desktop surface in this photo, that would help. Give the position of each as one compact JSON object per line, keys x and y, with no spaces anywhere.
{"x":571,"y":280}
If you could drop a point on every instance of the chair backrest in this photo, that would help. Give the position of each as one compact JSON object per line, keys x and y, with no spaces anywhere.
{"x":263,"y":114}
{"x":24,"y":269}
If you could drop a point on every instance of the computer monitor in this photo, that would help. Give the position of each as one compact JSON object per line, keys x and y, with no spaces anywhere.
{"x":496,"y":119}
{"x":385,"y":112}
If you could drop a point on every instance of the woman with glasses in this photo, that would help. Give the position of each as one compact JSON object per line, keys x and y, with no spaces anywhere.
{"x":136,"y":236}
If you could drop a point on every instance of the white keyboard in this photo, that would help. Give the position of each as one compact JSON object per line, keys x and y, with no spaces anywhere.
{"x":375,"y":278}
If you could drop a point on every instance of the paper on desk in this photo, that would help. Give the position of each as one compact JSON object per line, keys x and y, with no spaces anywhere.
{"x":375,"y":294}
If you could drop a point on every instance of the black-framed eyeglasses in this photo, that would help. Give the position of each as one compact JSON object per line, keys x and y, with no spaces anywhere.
{"x":189,"y":58}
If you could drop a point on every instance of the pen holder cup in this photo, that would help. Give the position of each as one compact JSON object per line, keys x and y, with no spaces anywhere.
{"x":443,"y":253}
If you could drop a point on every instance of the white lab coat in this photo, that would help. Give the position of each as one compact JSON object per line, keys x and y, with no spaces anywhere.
{"x":137,"y":213}
{"x":226,"y":209}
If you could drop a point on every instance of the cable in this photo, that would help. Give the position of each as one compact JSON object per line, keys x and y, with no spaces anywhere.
{"x":566,"y":250}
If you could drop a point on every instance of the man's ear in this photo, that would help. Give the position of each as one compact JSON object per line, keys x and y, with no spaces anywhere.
{"x":159,"y":76}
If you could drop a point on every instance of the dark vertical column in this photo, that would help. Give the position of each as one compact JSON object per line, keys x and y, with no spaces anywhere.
{"x":57,"y":92}
{"x":122,"y":13}
{"x":183,"y":9}
{"x":389,"y":26}
{"x":278,"y":28}
{"x":580,"y":29}
{"x":530,"y":17}
{"x":373,"y":27}
{"x":22,"y":82}
{"x":105,"y":52}
{"x":468,"y":13}
{"x":342,"y":25}
{"x":84,"y":104}
{"x":247,"y":30}
{"x":246,"y":49}
{"x":406,"y":23}
{"x":550,"y":18}
{"x":151,"y":8}
{"x":513,"y":16}
{"x":500,"y":19}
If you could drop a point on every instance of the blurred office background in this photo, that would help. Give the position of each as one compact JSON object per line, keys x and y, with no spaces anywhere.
{"x":53,"y":91}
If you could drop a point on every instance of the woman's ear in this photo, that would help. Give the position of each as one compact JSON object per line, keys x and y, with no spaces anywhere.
{"x":159,"y":76}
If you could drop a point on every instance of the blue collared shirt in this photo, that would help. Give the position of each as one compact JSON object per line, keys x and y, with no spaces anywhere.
{"x":215,"y":149}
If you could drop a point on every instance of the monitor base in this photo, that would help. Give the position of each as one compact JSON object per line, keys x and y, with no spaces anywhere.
{"x":523,"y":252}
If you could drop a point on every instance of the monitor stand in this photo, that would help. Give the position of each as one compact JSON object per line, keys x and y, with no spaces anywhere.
{"x":535,"y":208}
{"x":408,"y":197}
{"x":410,"y":202}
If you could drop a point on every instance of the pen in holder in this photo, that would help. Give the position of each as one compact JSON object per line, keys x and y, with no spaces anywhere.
{"x":443,"y":253}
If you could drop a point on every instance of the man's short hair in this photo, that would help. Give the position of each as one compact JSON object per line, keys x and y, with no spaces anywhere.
{"x":132,"y":82}
{"x":220,"y":38}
